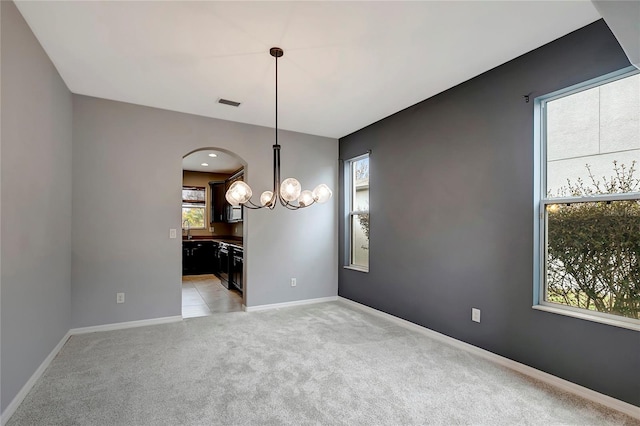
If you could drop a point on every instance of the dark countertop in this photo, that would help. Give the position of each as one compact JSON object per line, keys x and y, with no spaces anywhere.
{"x":231,"y":242}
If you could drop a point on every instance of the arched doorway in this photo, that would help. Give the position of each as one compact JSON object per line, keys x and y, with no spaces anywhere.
{"x":213,"y":250}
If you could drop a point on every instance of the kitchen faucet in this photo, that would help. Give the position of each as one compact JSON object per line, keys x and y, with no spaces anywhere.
{"x":188,"y":228}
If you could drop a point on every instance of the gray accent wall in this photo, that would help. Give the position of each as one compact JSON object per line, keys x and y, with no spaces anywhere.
{"x":127,"y":178}
{"x":35,"y":204}
{"x":451,"y":202}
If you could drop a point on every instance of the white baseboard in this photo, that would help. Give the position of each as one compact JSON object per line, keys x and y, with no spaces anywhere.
{"x":17,"y":400}
{"x":288,"y":304}
{"x":123,"y":325}
{"x":565,"y":385}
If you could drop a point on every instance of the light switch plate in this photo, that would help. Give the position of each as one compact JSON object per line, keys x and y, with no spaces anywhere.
{"x":475,"y":315}
{"x":172,"y":233}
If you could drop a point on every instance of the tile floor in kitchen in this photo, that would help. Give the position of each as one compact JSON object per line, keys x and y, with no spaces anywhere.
{"x":204,"y":295}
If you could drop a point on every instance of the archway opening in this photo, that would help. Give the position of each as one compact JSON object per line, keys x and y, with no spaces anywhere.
{"x":213,"y":231}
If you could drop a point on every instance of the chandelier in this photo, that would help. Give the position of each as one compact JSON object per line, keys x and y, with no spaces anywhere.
{"x":288,"y":193}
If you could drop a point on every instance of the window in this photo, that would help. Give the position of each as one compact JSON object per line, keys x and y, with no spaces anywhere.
{"x":357,"y":179}
{"x":193,"y":206}
{"x":588,"y":201}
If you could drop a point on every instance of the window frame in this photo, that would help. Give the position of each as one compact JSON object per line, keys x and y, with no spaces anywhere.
{"x":541,"y":201}
{"x":350,"y":213}
{"x":195,"y":204}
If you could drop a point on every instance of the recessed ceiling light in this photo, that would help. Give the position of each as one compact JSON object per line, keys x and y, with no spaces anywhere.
{"x":204,"y":164}
{"x":213,"y":155}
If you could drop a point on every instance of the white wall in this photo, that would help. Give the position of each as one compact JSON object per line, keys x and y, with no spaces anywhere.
{"x":121,"y":228}
{"x":36,"y":205}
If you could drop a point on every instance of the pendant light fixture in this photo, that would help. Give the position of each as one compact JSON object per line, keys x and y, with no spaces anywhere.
{"x":288,"y":192}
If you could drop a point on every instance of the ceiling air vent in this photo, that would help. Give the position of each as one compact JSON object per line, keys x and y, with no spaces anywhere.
{"x":228,"y":102}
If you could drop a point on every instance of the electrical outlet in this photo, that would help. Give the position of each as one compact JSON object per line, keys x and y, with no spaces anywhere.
{"x":119,"y":297}
{"x":475,"y":314}
{"x":211,"y":229}
{"x":172,"y":233}
{"x":293,"y":282}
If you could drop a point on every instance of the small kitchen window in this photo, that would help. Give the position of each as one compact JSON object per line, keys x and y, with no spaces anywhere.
{"x":357,"y":176}
{"x":194,"y":206}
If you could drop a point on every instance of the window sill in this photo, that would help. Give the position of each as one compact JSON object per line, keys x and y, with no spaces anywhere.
{"x":588,"y":317}
{"x":356,"y":268}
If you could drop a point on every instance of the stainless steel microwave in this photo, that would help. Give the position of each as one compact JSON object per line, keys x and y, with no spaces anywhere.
{"x":234,"y":214}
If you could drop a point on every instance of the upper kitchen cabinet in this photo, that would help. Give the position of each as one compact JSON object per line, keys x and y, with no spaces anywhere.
{"x":221,"y":210}
{"x":234,"y":213}
{"x":218,"y":201}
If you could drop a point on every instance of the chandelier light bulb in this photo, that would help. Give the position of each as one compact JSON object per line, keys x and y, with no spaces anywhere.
{"x":290,"y":189}
{"x":265,"y":198}
{"x":306,"y":198}
{"x":322,"y":193}
{"x":230,"y":199}
{"x":239,"y":192}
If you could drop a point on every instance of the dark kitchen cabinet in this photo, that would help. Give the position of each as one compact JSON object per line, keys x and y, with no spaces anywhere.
{"x":221,"y":210}
{"x":187,"y":259}
{"x":203,"y":254}
{"x":218,"y":202}
{"x":234,"y":213}
{"x":197,"y":257}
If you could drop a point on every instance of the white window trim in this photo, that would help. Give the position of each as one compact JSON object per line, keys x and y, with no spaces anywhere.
{"x":198,"y":206}
{"x":356,"y":268}
{"x":540,"y":202}
{"x":351,"y":213}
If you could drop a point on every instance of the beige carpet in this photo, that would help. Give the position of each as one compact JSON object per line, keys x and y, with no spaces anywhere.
{"x":324,"y":364}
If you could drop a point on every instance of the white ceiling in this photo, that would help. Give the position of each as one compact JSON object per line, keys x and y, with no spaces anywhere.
{"x":345,"y":66}
{"x":222,"y":163}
